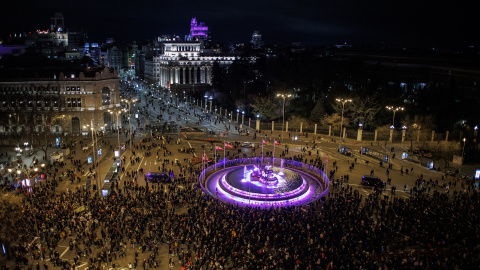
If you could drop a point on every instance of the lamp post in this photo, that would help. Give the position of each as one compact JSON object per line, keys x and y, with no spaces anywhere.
{"x":463,"y":153}
{"x":210,"y":99}
{"x":343,"y":101}
{"x":94,"y":148}
{"x":243,"y":116}
{"x":130,"y":118}
{"x":206,"y":98}
{"x":238,"y":113}
{"x":117,"y":113}
{"x":394,"y":109}
{"x":283,"y":96}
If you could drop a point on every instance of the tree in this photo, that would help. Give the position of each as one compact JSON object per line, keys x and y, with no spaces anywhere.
{"x":335,"y":121}
{"x":442,"y":150}
{"x":45,"y":137}
{"x":318,"y":112}
{"x":383,"y":133}
{"x":418,"y":128}
{"x":266,"y":107}
{"x":365,"y":109}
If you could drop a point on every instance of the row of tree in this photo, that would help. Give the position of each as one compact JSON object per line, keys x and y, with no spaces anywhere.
{"x":316,"y":80}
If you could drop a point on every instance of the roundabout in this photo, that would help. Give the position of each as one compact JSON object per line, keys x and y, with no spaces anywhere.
{"x":272,"y":183}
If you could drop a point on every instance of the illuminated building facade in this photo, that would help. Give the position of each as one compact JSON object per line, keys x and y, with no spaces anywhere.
{"x":73,"y":98}
{"x":182,"y":63}
{"x":198,"y":30}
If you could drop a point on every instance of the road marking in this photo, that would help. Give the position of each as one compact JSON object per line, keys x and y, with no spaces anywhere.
{"x":64,"y":252}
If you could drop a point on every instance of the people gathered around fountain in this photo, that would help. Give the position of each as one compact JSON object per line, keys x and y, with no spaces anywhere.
{"x":134,"y":224}
{"x":345,"y":231}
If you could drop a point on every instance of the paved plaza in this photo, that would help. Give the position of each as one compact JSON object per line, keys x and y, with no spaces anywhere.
{"x":170,"y":209}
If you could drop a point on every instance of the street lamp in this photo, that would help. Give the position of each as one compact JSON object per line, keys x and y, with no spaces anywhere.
{"x":243,"y":116}
{"x":343,"y":101}
{"x":130,"y":118}
{"x":463,"y":153}
{"x":283,"y":96}
{"x":118,"y":128}
{"x":238,"y":113}
{"x":394,"y":109}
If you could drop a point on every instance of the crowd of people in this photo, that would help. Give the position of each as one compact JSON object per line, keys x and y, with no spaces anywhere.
{"x":177,"y":225}
{"x":345,"y":231}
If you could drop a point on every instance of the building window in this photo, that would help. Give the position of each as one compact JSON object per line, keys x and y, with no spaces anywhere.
{"x":105,"y":96}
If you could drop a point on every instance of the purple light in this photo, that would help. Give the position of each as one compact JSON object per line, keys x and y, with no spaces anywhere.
{"x":198,"y":29}
{"x":313,"y":186}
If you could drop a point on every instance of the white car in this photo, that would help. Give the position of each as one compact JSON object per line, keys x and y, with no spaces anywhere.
{"x":248,"y":145}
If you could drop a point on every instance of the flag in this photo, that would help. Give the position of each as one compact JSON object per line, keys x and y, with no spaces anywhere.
{"x":204,"y":157}
{"x":264,"y":142}
{"x":218,"y":147}
{"x":229,"y":146}
{"x":276,"y":143}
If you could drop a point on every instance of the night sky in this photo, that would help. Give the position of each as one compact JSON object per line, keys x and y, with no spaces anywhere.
{"x":372,"y":22}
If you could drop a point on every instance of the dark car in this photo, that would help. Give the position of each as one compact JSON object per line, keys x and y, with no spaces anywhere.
{"x":156,"y":177}
{"x":372,"y":181}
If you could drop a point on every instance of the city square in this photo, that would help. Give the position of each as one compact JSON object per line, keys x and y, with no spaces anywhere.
{"x":193,"y":153}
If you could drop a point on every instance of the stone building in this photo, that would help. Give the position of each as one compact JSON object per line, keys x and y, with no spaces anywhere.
{"x":183,"y":64}
{"x":63,"y":99}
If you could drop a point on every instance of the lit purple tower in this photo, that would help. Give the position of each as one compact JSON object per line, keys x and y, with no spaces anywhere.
{"x":198,"y":30}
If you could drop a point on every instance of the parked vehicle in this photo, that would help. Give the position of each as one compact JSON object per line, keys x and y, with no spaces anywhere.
{"x":372,"y":181}
{"x":157,"y":177}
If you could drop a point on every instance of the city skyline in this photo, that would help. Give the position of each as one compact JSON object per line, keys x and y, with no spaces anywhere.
{"x":310,"y":22}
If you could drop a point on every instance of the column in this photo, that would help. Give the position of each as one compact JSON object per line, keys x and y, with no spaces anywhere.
{"x":375,"y":138}
{"x":330,"y":130}
{"x":208,"y":76}
{"x":257,"y":125}
{"x":286,"y":126}
{"x":391,"y":135}
{"x":433,"y":135}
{"x":190,"y":81}
{"x":195,"y":75}
{"x":273,"y":125}
{"x":183,"y":74}
{"x":315,"y":131}
{"x":301,"y":127}
{"x":177,"y":75}
{"x":164,"y":81}
{"x":172,"y":76}
{"x":202,"y":75}
{"x":403,"y":135}
{"x":344,"y":136}
{"x":359,"y":135}
{"x":249,"y":121}
{"x":446,"y":137}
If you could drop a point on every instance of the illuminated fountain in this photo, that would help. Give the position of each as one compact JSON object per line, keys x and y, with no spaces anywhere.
{"x":266,"y":185}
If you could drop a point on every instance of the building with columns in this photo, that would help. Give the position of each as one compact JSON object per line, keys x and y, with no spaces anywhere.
{"x":61,"y":99}
{"x":183,"y":64}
